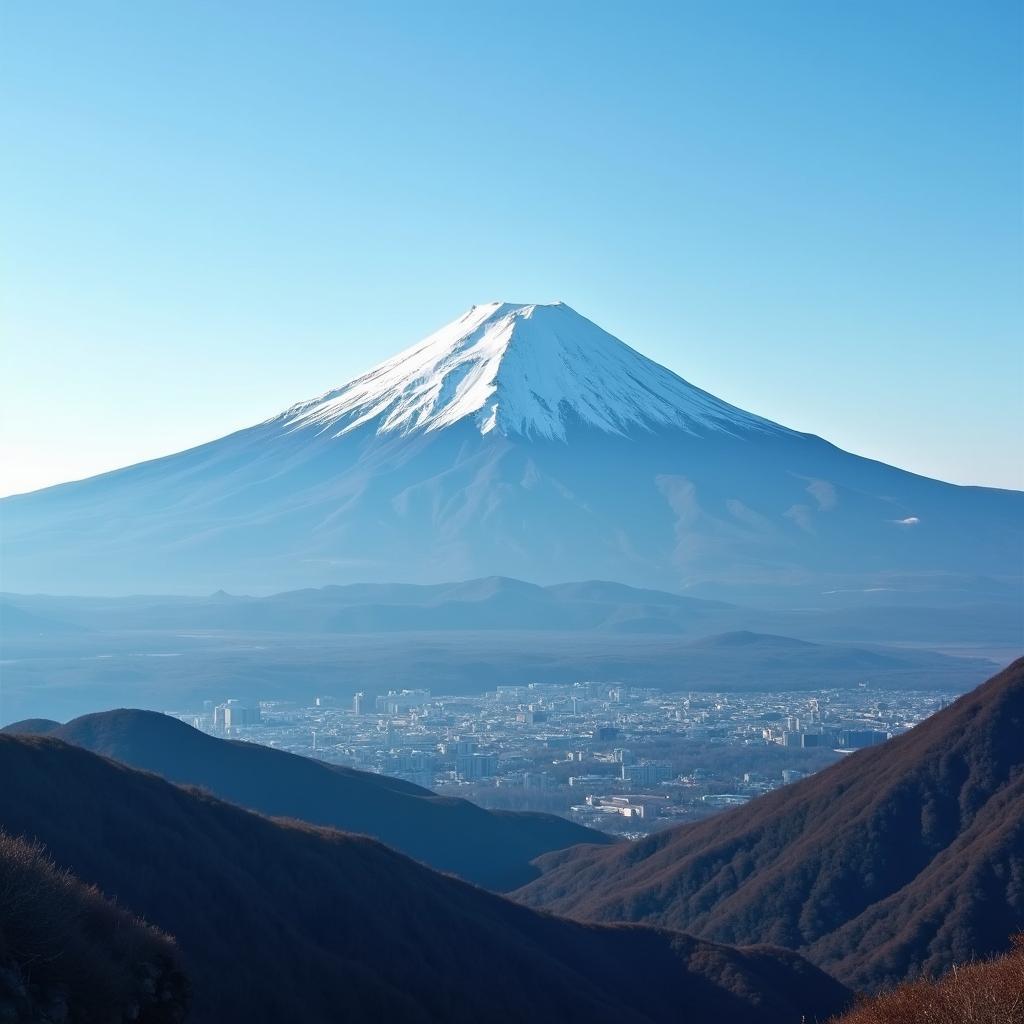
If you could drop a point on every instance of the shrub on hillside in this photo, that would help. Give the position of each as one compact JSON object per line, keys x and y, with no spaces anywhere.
{"x":68,"y":953}
{"x":986,"y":992}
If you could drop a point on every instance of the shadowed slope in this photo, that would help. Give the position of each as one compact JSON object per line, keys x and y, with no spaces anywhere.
{"x":490,"y":848}
{"x":66,"y":953}
{"x":279,"y":921}
{"x":899,"y":859}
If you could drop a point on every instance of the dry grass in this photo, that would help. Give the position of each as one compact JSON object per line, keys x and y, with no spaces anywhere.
{"x":987,"y":992}
{"x":66,"y":942}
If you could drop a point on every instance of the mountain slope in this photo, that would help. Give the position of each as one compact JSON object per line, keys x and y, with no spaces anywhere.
{"x":66,"y":953}
{"x":899,"y":859}
{"x":277,"y":921}
{"x":518,"y":440}
{"x":490,"y":848}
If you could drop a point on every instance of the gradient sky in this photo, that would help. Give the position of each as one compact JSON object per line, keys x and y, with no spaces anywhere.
{"x":212,"y":210}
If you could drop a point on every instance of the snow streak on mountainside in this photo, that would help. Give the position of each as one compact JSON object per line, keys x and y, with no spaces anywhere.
{"x":522,"y":370}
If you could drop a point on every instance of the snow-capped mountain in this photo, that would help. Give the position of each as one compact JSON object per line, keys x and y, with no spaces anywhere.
{"x":520,"y":370}
{"x":519,"y":440}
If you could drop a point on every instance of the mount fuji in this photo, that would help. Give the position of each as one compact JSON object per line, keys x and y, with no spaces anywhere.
{"x":524,"y":441}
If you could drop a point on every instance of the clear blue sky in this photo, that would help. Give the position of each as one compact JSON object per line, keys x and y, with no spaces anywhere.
{"x":212,"y":210}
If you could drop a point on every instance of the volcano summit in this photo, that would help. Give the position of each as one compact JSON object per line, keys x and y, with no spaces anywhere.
{"x":520,"y":370}
{"x":519,"y":440}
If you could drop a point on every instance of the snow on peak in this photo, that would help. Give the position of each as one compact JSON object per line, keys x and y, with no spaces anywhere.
{"x":519,"y":369}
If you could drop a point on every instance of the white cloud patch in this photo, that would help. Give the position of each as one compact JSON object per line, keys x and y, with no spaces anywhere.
{"x":824,"y":494}
{"x":801,"y":515}
{"x":682,"y":498}
{"x":746,"y":515}
{"x":681,"y":495}
{"x":909,"y":521}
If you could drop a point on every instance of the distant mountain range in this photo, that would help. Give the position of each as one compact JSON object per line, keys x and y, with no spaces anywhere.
{"x":900,"y":859}
{"x":520,"y":439}
{"x":503,"y":604}
{"x":281,"y":921}
{"x":490,"y":848}
{"x":67,"y":655}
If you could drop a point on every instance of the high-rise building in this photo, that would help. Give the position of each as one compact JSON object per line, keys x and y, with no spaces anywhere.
{"x":472,"y":767}
{"x":537,"y":780}
{"x":359,"y":703}
{"x":854,"y":739}
{"x":531,"y":716}
{"x":647,"y":774}
{"x":399,"y":703}
{"x":233,"y":713}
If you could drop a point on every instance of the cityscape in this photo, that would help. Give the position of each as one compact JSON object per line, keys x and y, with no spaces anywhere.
{"x":623,"y":759}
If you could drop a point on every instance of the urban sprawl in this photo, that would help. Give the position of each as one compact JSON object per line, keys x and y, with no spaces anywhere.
{"x":619,"y":758}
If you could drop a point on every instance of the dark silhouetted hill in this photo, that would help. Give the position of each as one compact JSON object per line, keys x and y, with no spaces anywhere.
{"x":280,"y":921}
{"x":69,"y":954}
{"x":899,"y":860}
{"x":31,"y":727}
{"x":490,"y":848}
